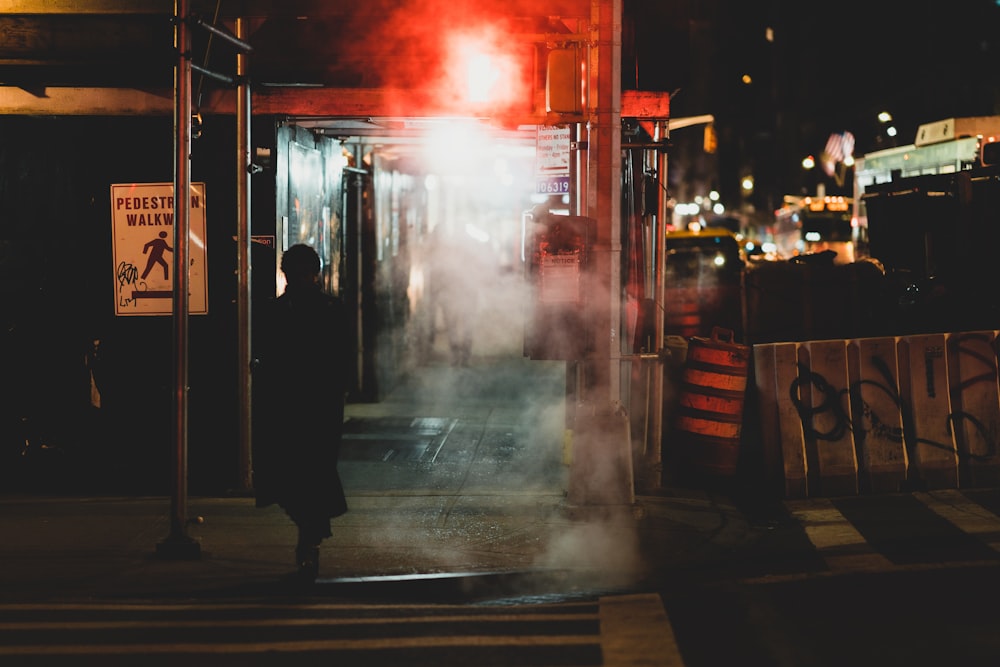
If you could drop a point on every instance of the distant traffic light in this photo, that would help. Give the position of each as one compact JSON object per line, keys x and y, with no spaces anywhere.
{"x":711,"y":141}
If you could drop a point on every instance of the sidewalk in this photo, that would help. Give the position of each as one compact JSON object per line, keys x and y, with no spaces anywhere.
{"x":398,"y":546}
{"x":478,"y":511}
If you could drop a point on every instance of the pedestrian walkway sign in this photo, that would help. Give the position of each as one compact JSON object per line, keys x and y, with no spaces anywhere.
{"x":142,"y":216}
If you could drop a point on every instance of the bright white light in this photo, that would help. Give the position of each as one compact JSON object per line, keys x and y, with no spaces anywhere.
{"x":747,"y":183}
{"x":884,"y":117}
{"x":481,"y":76}
{"x":813,"y":236}
{"x":891,"y":130}
{"x":808,"y":162}
{"x":714,"y":195}
{"x":720,"y":260}
{"x":481,"y":68}
{"x":849,"y":161}
{"x":718,"y":209}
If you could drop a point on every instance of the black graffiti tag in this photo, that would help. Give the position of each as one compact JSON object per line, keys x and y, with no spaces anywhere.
{"x":832,"y":404}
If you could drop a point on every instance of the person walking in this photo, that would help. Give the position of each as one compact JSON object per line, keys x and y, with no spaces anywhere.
{"x":299,"y":371}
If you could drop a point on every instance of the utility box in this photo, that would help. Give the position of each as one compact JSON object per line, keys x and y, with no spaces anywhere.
{"x":558,"y":249}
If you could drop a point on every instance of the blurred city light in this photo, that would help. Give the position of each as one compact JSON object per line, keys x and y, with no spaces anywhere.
{"x":484,"y":71}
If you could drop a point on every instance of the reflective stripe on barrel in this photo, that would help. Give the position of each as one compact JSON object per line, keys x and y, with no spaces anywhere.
{"x":709,"y":416}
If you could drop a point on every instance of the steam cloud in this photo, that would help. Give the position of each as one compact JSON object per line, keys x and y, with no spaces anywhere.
{"x":468,"y":259}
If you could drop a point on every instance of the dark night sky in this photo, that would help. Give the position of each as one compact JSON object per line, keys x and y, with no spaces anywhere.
{"x":831,"y":67}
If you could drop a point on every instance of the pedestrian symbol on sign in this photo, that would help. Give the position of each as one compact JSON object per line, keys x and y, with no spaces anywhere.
{"x":155,"y":248}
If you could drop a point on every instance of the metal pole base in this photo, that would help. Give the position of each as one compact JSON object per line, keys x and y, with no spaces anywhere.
{"x":179,"y":548}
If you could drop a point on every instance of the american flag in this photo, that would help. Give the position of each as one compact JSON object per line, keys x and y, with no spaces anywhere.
{"x":838,"y":147}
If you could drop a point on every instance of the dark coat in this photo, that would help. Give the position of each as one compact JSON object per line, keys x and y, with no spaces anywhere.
{"x":298,"y":403}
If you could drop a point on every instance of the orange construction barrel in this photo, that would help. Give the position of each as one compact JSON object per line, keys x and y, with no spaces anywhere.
{"x":682,"y":318}
{"x":709,"y":415}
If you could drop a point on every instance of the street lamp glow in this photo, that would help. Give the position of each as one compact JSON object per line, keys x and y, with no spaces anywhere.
{"x":808,"y":162}
{"x":884,"y":117}
{"x":481,"y":77}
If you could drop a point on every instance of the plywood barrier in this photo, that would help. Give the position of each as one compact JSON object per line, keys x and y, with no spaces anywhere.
{"x":827,"y":421}
{"x":879,"y":431}
{"x":783,"y":444}
{"x":974,"y":397}
{"x":925,"y":389}
{"x":877,"y":415}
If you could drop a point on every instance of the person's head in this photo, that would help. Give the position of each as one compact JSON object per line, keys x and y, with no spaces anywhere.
{"x":301,"y":265}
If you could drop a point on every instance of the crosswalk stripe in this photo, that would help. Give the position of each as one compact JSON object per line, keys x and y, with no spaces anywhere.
{"x":636,"y":632}
{"x":287,"y":622}
{"x":840,"y":544}
{"x":619,"y":630}
{"x":311,"y":606}
{"x":478,"y":641}
{"x":969,"y":516}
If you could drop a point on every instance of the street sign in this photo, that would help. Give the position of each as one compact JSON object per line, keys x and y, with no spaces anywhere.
{"x":552,"y":152}
{"x":142,"y":217}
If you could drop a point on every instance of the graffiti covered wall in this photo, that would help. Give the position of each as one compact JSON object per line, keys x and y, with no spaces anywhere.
{"x":876,"y":415}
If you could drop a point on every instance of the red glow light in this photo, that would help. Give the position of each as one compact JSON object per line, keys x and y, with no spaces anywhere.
{"x":487,"y":74}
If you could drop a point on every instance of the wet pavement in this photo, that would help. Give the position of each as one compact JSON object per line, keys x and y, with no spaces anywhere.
{"x":457,"y":488}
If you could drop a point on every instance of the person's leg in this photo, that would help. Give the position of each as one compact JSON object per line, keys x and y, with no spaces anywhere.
{"x":312,"y":530}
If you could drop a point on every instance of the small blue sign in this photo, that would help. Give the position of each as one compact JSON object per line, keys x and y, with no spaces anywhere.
{"x":552,"y":185}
